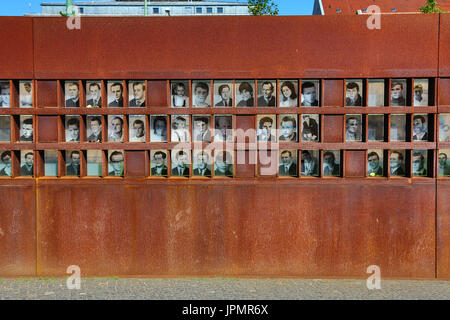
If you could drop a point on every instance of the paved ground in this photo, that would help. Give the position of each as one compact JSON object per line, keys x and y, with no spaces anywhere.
{"x":220,"y":288}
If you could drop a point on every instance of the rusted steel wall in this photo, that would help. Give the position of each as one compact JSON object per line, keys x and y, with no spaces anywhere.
{"x":443,"y":229}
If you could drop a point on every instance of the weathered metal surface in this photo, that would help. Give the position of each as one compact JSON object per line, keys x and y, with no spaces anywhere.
{"x":443,"y":229}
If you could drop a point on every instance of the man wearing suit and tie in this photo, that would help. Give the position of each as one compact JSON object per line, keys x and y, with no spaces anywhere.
{"x":139,"y":95}
{"x":182,"y":167}
{"x":420,"y":128}
{"x":117,"y":92}
{"x":287,"y":164}
{"x":225,"y":94}
{"x":96,"y":130}
{"x":202,"y":132}
{"x":95,"y":94}
{"x":73,"y":94}
{"x":267,"y":99}
{"x":160,"y":168}
{"x":202,"y":161}
{"x":27,"y":168}
{"x":73,"y":168}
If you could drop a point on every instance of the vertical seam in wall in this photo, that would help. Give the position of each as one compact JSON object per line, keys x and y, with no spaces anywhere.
{"x":436,"y":190}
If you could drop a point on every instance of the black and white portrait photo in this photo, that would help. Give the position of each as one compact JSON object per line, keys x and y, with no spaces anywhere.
{"x":201,"y":128}
{"x":444,"y":127}
{"x":73,"y":158}
{"x":158,"y":128}
{"x":288,"y":163}
{"x":72,"y":94}
{"x":267,"y":93}
{"x":93,"y":94}
{"x":72,"y":125}
{"x":223,"y":128}
{"x":223,"y":163}
{"x":245,"y":93}
{"x":288,"y":93}
{"x":353,"y":93}
{"x":180,"y":163}
{"x":180,"y":94}
{"x":420,"y":127}
{"x":94,"y":128}
{"x":398,"y":127}
{"x":444,"y":163}
{"x":376,"y":127}
{"x":115,"y":128}
{"x":375,"y":163}
{"x":376,"y":93}
{"x":26,"y":128}
{"x":310,"y":163}
{"x":26,"y":94}
{"x":137,"y":128}
{"x":331,"y":163}
{"x":5,"y":128}
{"x":201,"y":97}
{"x":158,"y":163}
{"x":136,"y":94}
{"x":223,"y":94}
{"x":115,"y":94}
{"x":419,"y":163}
{"x":180,"y":128}
{"x":310,"y":127}
{"x":310,"y":93}
{"x":397,"y":163}
{"x":353,"y":127}
{"x":421,"y":92}
{"x":4,"y":94}
{"x":115,"y":163}
{"x":288,"y":127}
{"x":267,"y":127}
{"x":5,"y":163}
{"x":398,"y":92}
{"x":26,"y":163}
{"x":202,"y":163}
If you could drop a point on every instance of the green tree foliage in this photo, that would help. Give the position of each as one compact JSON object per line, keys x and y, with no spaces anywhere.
{"x":262,"y":7}
{"x":431,"y":6}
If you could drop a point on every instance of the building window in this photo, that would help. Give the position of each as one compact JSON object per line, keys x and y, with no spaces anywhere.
{"x":208,"y":10}
{"x":155,"y":10}
{"x":219,"y":10}
{"x":81,"y":10}
{"x":198,"y":10}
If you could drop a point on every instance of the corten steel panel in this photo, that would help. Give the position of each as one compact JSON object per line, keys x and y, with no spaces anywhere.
{"x":157,"y":93}
{"x":245,"y":164}
{"x":351,"y":6}
{"x":333,"y":93}
{"x":244,"y":228}
{"x":355,"y":163}
{"x":333,"y":128}
{"x":443,"y":229}
{"x":48,"y":129}
{"x":135,"y":161}
{"x":444,"y":92}
{"x":47,"y":93}
{"x":16,"y":58}
{"x":17,"y":228}
{"x":444,"y":45}
{"x":117,"y":47}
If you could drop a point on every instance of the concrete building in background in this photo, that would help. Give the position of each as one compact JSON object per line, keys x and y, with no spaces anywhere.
{"x":336,"y":7}
{"x":155,"y":8}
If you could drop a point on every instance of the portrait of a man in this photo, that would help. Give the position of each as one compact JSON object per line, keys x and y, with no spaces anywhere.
{"x":202,"y":130}
{"x":73,"y":163}
{"x":115,"y":95}
{"x":419,"y":163}
{"x":5,"y":158}
{"x":158,"y":128}
{"x":331,"y":165}
{"x":94,"y":95}
{"x":266,"y":128}
{"x":353,"y":128}
{"x":26,"y":134}
{"x":309,"y":163}
{"x":444,"y":127}
{"x":223,"y":164}
{"x":201,"y":97}
{"x":116,"y":164}
{"x":202,"y":164}
{"x":94,"y":130}
{"x":353,"y":94}
{"x":223,"y":128}
{"x":137,"y":129}
{"x":288,"y":128}
{"x":396,"y":163}
{"x":115,"y":130}
{"x":159,"y":163}
{"x":4,"y":94}
{"x":137,"y":94}
{"x":26,"y":94}
{"x":288,"y":163}
{"x":309,"y":93}
{"x":444,"y":165}
{"x":72,"y":129}
{"x":267,"y":94}
{"x":310,"y":127}
{"x":288,"y":93}
{"x":421,"y":92}
{"x":420,"y":128}
{"x":398,"y":93}
{"x":72,"y":91}
{"x":375,"y":163}
{"x":180,"y":167}
{"x":244,"y":94}
{"x":26,"y":165}
{"x":180,"y":94}
{"x":224,"y":94}
{"x":180,"y":128}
